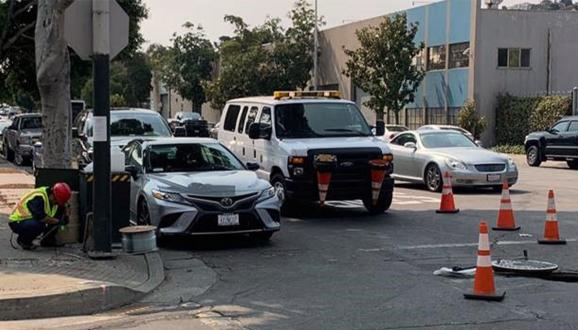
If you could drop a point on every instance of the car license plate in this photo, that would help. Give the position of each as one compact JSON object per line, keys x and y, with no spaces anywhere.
{"x":494,"y":177}
{"x":228,"y":219}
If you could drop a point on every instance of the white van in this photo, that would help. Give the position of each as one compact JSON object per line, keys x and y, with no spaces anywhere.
{"x":284,"y":134}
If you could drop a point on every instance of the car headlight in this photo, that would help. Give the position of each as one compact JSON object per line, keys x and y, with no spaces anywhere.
{"x":456,"y":165}
{"x":169,"y":196}
{"x":267,"y":194}
{"x":511,"y":163}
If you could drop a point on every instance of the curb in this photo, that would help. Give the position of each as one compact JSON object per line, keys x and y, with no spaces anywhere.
{"x":87,"y":301}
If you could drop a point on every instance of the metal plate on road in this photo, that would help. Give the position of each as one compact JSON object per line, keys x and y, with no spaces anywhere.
{"x":494,"y":177}
{"x":524,"y":266}
{"x":228,"y":219}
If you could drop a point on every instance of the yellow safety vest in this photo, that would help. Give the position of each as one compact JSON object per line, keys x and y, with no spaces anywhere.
{"x":21,"y":211}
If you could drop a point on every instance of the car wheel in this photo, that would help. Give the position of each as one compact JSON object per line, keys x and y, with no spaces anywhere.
{"x":533,"y":157}
{"x":262,"y":236}
{"x":573,"y":164}
{"x":433,"y":178}
{"x":143,"y":217}
{"x":383,"y":204}
{"x":18,"y":158}
{"x":9,"y":153}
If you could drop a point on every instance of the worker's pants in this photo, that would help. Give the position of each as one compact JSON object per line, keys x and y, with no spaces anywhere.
{"x":28,"y":230}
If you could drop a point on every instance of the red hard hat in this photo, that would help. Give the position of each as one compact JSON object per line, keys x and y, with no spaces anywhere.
{"x":61,"y":192}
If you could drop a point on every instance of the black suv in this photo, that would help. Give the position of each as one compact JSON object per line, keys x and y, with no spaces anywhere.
{"x":192,"y":122}
{"x":557,"y":143}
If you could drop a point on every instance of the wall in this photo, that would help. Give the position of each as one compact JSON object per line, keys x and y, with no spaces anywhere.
{"x":440,"y":23}
{"x":523,"y":29}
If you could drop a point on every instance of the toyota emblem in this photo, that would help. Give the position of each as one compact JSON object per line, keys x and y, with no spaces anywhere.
{"x":227,"y":202}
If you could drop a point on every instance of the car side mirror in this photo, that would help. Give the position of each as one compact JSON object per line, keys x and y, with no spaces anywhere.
{"x":410,"y":145}
{"x":180,"y":131}
{"x":253,"y":166}
{"x":132,"y":170}
{"x":258,"y":131}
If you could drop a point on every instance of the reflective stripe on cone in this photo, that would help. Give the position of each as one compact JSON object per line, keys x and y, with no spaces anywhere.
{"x":551,"y":232}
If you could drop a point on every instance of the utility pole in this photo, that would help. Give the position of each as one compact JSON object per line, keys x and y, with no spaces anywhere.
{"x":315,"y":50}
{"x":102,"y":219}
{"x":575,"y":101}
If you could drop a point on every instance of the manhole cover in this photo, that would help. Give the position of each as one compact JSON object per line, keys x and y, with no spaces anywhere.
{"x":524,"y":266}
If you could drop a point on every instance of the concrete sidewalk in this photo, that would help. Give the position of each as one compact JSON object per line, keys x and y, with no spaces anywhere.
{"x":51,"y":282}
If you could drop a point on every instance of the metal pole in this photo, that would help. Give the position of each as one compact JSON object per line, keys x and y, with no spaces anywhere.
{"x":575,"y":101}
{"x":315,"y":50}
{"x":102,"y":227}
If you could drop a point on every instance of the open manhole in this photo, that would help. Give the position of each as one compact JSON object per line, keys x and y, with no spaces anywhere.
{"x":524,"y":266}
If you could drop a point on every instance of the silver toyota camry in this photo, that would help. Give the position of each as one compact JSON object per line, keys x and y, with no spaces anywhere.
{"x":423,"y":156}
{"x":196,"y":186}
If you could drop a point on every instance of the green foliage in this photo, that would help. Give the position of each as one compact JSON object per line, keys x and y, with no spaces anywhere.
{"x":517,"y":149}
{"x":469,"y":120}
{"x":383,"y":64}
{"x":187,"y":65}
{"x":518,"y":116}
{"x":117,"y":100}
{"x":265,"y":58}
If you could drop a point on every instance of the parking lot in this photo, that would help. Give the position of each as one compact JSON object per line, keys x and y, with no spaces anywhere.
{"x":337,"y":268}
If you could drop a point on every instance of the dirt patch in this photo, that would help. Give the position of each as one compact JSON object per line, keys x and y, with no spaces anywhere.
{"x":17,"y":186}
{"x":4,"y":170}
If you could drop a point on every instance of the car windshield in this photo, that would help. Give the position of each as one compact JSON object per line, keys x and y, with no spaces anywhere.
{"x":446,"y":140}
{"x":31,"y":123}
{"x":192,"y":157}
{"x":310,"y":120}
{"x":135,"y":124}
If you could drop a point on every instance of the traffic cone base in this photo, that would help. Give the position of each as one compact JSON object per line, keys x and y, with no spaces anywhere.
{"x":552,"y":242}
{"x":551,"y":233}
{"x":506,"y":229}
{"x":487,"y":297}
{"x":448,"y":211}
{"x":506,"y":220}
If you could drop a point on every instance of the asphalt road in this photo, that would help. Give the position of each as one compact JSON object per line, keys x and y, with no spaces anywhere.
{"x":338,"y":268}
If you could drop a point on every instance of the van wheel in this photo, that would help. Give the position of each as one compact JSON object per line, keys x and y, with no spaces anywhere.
{"x":533,"y":157}
{"x":573,"y":164}
{"x":383,"y":204}
{"x":278,"y":182}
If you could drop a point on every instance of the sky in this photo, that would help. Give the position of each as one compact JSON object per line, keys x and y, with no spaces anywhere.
{"x":168,"y":16}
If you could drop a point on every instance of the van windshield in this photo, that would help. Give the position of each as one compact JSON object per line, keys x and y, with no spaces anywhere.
{"x":319,"y":120}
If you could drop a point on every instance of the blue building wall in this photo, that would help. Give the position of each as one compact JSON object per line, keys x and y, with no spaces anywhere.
{"x":442,"y":23}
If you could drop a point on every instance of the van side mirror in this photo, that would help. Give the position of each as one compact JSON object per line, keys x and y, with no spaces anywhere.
{"x":132,"y":170}
{"x":379,"y":128}
{"x":259,"y":131}
{"x":253,"y":166}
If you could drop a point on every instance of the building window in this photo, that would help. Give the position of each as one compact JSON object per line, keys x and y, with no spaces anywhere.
{"x":418,"y":61}
{"x":436,"y":58}
{"x":459,"y":55}
{"x":513,"y":58}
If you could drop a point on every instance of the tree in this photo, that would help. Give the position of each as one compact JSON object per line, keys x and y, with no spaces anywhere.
{"x":53,"y":77}
{"x":383,"y":65}
{"x":469,"y":120}
{"x":265,"y":58}
{"x":189,"y":64}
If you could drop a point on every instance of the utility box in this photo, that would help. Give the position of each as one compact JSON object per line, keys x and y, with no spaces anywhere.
{"x":120,"y":187}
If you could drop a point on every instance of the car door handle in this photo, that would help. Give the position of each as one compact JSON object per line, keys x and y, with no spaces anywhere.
{"x":254,"y":154}
{"x":243,"y":151}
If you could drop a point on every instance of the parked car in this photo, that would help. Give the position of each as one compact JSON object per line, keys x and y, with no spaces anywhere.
{"x":4,"y":123}
{"x":19,"y":138}
{"x":126,"y":124}
{"x":214,"y":131}
{"x":193,"y":123}
{"x":292,"y":133}
{"x":423,"y":156}
{"x":11,"y":111}
{"x":391,"y":131}
{"x":447,"y":127}
{"x":560,"y":142}
{"x":195,"y":186}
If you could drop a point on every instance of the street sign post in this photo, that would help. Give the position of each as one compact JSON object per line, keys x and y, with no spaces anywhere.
{"x":98,"y":30}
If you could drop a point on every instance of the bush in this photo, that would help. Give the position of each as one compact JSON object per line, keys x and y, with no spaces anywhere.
{"x":518,"y":116}
{"x":469,"y":120}
{"x":509,"y":149}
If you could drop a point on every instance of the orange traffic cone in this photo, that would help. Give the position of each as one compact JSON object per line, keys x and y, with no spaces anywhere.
{"x":551,"y":234}
{"x":506,"y":221}
{"x":377,"y":176}
{"x":323,"y":179}
{"x":484,"y":288}
{"x":447,"y":202}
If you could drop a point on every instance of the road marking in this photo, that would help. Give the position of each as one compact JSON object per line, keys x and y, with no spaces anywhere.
{"x":441,"y":246}
{"x":398,"y":199}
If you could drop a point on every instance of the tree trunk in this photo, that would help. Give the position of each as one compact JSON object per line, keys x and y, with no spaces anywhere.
{"x":53,"y":77}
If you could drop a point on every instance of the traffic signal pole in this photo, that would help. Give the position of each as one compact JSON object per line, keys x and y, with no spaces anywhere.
{"x":102,"y":221}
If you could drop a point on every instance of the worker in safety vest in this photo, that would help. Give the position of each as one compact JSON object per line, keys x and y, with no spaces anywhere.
{"x":40,"y":211}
